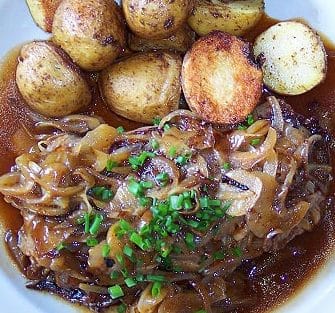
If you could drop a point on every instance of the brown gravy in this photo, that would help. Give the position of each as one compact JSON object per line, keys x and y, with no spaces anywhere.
{"x":271,"y":279}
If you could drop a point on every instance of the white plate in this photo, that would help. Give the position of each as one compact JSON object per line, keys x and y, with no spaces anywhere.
{"x":16,"y":26}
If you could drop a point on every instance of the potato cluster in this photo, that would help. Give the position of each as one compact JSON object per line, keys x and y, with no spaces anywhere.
{"x":146,"y":53}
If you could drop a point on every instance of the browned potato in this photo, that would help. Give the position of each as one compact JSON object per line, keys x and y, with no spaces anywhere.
{"x":181,"y":41}
{"x":143,"y":86}
{"x":294,"y":57}
{"x":49,"y":82}
{"x":235,"y":17}
{"x":43,"y":12}
{"x":220,"y":80}
{"x":156,"y":19}
{"x":91,"y":32}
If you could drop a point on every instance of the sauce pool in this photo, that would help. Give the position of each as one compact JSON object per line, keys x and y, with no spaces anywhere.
{"x":270,"y":279}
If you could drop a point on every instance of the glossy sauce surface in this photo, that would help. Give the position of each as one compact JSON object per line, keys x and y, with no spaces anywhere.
{"x":266,"y":281}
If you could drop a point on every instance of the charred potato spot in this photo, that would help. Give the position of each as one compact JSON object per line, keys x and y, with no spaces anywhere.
{"x":91,"y":32}
{"x":156,"y":19}
{"x":49,"y":82}
{"x":180,"y":41}
{"x":133,"y":89}
{"x":220,"y":81}
{"x":234,"y":17}
{"x":293,"y":57}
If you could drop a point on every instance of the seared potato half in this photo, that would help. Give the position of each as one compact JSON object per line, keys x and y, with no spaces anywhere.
{"x":143,"y":86}
{"x":293,"y":56}
{"x":43,"y":11}
{"x":181,"y":41}
{"x":90,"y":31}
{"x":156,"y":19}
{"x":233,"y":17}
{"x":220,"y":80}
{"x":49,"y":82}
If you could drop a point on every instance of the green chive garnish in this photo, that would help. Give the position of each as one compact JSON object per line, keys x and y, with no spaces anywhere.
{"x":255,"y":142}
{"x":156,"y":289}
{"x":154,"y":278}
{"x":116,"y":292}
{"x":189,"y":240}
{"x":96,"y":224}
{"x":60,"y":246}
{"x":250,"y":120}
{"x":172,"y":151}
{"x":120,"y":130}
{"x":137,"y":240}
{"x":154,"y":144}
{"x":226,"y":166}
{"x":156,"y":120}
{"x":122,"y":308}
{"x":110,"y":165}
{"x":130,"y":282}
{"x":242,"y":127}
{"x":162,"y":178}
{"x":237,"y":251}
{"x":105,"y":250}
{"x":91,"y":242}
{"x":166,"y":127}
{"x":218,"y":255}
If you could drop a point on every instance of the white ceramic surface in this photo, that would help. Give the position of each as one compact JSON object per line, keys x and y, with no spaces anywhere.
{"x":16,"y":26}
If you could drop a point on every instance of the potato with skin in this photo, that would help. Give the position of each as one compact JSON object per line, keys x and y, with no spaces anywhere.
{"x":91,"y":32}
{"x":293,"y":58}
{"x":43,"y":11}
{"x":181,"y":41}
{"x":49,"y":82}
{"x":220,"y":80}
{"x":156,"y":19}
{"x":143,"y":86}
{"x":233,"y":17}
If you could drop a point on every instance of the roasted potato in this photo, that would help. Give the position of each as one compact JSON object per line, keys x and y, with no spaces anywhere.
{"x":220,"y":80}
{"x":181,"y":41}
{"x":293,"y":57}
{"x":156,"y":19}
{"x":43,"y":12}
{"x":91,"y":32}
{"x":233,"y":17}
{"x":49,"y":82}
{"x":143,"y":86}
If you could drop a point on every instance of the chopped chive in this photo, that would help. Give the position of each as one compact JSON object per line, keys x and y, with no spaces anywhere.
{"x":242,"y":127}
{"x":105,"y":250}
{"x":187,"y":204}
{"x":110,"y":165}
{"x":87,"y":222}
{"x":137,"y":240}
{"x":219,"y":255}
{"x":162,"y":178}
{"x":250,"y":120}
{"x":116,"y":292}
{"x":140,"y":277}
{"x":124,"y":225}
{"x":114,"y":275}
{"x":146,"y":184}
{"x":201,"y":311}
{"x":237,"y":251}
{"x":156,"y":289}
{"x":182,"y":159}
{"x":156,"y":120}
{"x":135,"y":188}
{"x":124,"y":272}
{"x":204,"y":202}
{"x":154,"y":144}
{"x":130,"y":282}
{"x":128,"y":251}
{"x":120,"y":259}
{"x":80,"y":220}
{"x":120,"y":130}
{"x":144,"y":201}
{"x":172,"y":151}
{"x":137,"y":161}
{"x":189,"y":240}
{"x":226,"y":166}
{"x":60,"y":246}
{"x":214,"y":202}
{"x":102,"y":193}
{"x":96,"y":224}
{"x":255,"y":142}
{"x":153,"y":278}
{"x":166,"y":127}
{"x":122,"y":308}
{"x":91,"y":242}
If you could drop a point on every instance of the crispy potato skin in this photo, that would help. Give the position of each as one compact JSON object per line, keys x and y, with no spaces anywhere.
{"x":91,"y":32}
{"x":181,"y":41}
{"x":43,"y":12}
{"x":233,"y":17}
{"x":293,"y":56}
{"x":220,"y":81}
{"x":49,"y":82}
{"x":143,"y":86}
{"x":156,"y":19}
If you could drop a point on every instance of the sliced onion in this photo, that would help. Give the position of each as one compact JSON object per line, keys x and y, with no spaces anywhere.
{"x":277,"y":120}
